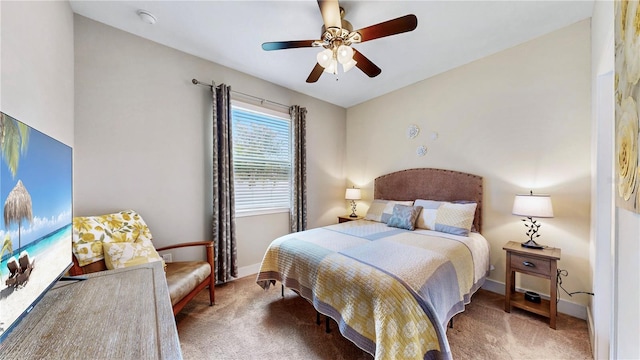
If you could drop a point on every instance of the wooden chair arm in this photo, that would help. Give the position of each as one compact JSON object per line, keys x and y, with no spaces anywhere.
{"x":195,"y":243}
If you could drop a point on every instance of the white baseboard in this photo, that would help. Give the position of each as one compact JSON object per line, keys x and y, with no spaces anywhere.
{"x":564,"y":306}
{"x":248,"y":270}
{"x":592,"y":331}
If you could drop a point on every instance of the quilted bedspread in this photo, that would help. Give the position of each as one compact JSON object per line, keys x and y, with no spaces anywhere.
{"x":391,"y":291}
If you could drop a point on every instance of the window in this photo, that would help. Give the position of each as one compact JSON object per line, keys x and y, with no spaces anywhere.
{"x":261,"y":159}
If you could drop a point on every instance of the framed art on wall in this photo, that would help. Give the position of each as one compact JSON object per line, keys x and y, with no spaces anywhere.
{"x":627,"y":96}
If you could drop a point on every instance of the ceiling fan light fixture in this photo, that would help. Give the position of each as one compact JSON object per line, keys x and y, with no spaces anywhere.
{"x":332,"y":68}
{"x":325,"y":58}
{"x":338,"y":36}
{"x":345,"y":54}
{"x":349,"y":65}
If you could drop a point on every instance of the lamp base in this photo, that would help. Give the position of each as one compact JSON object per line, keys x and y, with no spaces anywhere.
{"x":353,"y":209}
{"x":531,"y":244}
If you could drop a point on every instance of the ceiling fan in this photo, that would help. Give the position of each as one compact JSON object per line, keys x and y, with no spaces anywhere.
{"x":337,"y":38}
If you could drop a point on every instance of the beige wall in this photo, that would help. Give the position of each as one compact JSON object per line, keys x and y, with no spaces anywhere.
{"x":36,"y":81}
{"x":520,"y":118}
{"x":143,"y":140}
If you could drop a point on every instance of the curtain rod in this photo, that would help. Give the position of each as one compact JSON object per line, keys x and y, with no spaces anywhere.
{"x":262,"y":101}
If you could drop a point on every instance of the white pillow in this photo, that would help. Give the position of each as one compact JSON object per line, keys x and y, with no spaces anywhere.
{"x":427,"y":217}
{"x":381,"y":210}
{"x":455,"y":219}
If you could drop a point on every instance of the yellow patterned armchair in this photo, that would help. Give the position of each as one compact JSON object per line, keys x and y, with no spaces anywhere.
{"x":123,"y":239}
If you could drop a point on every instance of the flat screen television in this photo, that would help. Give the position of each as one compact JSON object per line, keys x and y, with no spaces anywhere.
{"x":36,"y":194}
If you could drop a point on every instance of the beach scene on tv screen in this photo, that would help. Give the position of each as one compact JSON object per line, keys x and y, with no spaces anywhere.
{"x":35,"y":232}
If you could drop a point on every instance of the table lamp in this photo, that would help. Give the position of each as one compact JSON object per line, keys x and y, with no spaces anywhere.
{"x":352,"y":194}
{"x":532,"y":206}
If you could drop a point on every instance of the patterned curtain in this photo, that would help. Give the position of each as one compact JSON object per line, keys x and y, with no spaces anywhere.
{"x":298,"y":215}
{"x":224,"y":227}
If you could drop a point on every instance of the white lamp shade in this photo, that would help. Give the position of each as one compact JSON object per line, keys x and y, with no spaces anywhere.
{"x":345,"y":54}
{"x":352,"y":194}
{"x":349,"y":65}
{"x":332,"y":68}
{"x":324,"y":58}
{"x":533,"y":206}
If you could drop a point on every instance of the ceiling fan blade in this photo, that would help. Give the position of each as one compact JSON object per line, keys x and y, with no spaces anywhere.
{"x":387,"y":28}
{"x":280,"y":45}
{"x":315,"y":73}
{"x":330,"y":10}
{"x":365,"y":64}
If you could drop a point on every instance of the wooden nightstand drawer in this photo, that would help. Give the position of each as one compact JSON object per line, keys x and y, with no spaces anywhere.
{"x":531,"y":264}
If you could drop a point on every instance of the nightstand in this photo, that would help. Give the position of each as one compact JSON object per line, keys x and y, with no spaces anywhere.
{"x":536,"y":262}
{"x":345,"y":218}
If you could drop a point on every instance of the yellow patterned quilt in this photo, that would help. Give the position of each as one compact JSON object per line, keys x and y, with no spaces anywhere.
{"x":391,"y":291}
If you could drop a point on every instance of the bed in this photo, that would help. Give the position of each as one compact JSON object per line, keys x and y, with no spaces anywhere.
{"x":392,"y":291}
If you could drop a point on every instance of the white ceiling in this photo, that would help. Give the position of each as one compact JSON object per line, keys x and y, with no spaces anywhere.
{"x":230,"y":33}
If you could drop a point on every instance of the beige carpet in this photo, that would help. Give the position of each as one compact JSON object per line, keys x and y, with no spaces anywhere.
{"x":250,"y":323}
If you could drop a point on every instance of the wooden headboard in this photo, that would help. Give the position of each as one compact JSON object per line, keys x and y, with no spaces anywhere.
{"x":431,"y":184}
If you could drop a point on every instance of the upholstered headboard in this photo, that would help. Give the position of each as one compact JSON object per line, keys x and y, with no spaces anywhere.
{"x":431,"y":184}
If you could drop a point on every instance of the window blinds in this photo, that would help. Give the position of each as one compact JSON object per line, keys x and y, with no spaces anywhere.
{"x":261,"y":160}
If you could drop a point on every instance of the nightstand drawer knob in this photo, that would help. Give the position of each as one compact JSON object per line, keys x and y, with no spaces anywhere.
{"x":528,"y":263}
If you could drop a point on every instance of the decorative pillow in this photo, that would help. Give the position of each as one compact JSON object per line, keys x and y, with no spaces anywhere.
{"x":404,"y":217}
{"x":88,"y":235}
{"x":124,"y":254}
{"x":125,"y":226}
{"x":381,"y":210}
{"x":427,"y":217}
{"x":90,"y":232}
{"x":473,"y":226}
{"x":455,"y":218}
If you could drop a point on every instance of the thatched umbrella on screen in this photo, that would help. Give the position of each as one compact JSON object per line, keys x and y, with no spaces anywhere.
{"x":17,"y":207}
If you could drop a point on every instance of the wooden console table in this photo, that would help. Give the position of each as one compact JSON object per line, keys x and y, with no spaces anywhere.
{"x":116,"y":314}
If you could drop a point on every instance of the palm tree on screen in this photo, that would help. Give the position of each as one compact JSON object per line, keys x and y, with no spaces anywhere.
{"x":14,"y":140}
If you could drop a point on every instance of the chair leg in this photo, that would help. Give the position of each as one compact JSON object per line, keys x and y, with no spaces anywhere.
{"x":212,"y":291}
{"x":317,"y":318}
{"x":212,"y":276}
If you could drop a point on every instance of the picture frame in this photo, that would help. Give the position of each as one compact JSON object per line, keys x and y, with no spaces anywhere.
{"x":627,"y":105}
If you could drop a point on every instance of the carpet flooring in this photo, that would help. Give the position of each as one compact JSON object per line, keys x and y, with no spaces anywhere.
{"x":250,"y":323}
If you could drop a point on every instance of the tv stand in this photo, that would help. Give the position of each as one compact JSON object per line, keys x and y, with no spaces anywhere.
{"x":115,"y":314}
